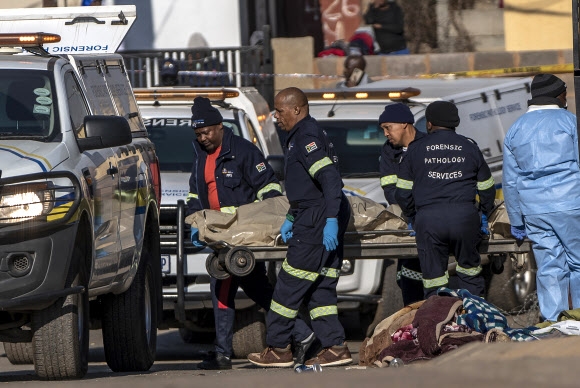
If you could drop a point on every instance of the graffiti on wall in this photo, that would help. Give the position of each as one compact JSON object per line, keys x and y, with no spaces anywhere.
{"x":340,"y":19}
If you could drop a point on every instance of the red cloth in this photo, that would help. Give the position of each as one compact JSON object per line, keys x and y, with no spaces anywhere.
{"x":209,"y":175}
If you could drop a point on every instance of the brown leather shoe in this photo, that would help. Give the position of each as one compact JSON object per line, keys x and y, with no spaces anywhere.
{"x":333,"y":356}
{"x":273,"y":357}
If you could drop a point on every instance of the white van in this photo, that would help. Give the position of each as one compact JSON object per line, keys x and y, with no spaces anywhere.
{"x":80,"y":191}
{"x":487,"y":108}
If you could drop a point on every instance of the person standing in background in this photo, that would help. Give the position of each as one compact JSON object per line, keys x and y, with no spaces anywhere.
{"x":388,"y":22}
{"x":541,"y":187}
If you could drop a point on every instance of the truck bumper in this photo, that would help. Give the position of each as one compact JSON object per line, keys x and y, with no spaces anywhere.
{"x":33,"y":272}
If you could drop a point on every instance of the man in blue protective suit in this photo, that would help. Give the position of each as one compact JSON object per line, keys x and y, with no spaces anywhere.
{"x":437,"y":185}
{"x":229,"y":171}
{"x":397,"y":123}
{"x":314,"y":230}
{"x":541,"y":187}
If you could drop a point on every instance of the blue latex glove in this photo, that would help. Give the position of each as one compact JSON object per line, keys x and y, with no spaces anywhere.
{"x":330,"y":234}
{"x":286,"y":230}
{"x":519,"y":232}
{"x":484,"y":225}
{"x":410,"y":227}
{"x":195,"y":238}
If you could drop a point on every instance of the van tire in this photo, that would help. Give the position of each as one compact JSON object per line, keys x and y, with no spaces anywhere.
{"x":514,"y":292}
{"x":391,"y":297}
{"x":61,"y":331}
{"x":130,"y":322}
{"x":249,"y":332}
{"x":19,"y":353}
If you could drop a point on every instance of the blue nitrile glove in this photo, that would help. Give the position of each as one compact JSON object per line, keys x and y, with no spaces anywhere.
{"x":410,"y":227}
{"x":484,"y":225}
{"x":195,"y":238}
{"x":286,"y":230}
{"x":519,"y":232}
{"x":330,"y":234}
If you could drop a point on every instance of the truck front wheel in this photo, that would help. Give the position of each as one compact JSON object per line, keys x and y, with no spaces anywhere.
{"x":61,"y":331}
{"x":249,"y":332}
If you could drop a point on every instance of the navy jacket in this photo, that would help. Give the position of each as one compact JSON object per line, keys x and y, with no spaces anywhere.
{"x":391,"y":158}
{"x":242,"y":175}
{"x":444,"y":168}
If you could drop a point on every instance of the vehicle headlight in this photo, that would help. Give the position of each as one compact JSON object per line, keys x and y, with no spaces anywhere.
{"x":25,"y":201}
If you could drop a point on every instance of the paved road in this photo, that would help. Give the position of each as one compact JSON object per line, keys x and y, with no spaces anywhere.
{"x":536,"y":364}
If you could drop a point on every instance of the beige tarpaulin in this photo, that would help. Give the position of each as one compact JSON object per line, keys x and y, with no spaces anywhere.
{"x":258,"y":223}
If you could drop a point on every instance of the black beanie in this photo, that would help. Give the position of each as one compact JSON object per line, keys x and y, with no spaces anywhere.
{"x":203,"y":114}
{"x":396,"y":113}
{"x":442,"y":114}
{"x":547,"y":85}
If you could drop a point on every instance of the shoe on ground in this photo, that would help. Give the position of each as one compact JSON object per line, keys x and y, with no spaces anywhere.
{"x":332,"y":356}
{"x":306,"y":349}
{"x":216,"y":361}
{"x":273,"y":357}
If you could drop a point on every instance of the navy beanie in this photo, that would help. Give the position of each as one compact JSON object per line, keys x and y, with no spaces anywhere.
{"x":203,"y":114}
{"x":396,"y":113}
{"x":547,"y":85}
{"x":442,"y":114}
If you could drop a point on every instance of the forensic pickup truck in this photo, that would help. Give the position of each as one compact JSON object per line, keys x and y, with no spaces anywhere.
{"x":79,"y":195}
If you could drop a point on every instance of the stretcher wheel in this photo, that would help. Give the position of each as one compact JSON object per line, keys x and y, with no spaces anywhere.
{"x":214,"y":268}
{"x":240,"y":261}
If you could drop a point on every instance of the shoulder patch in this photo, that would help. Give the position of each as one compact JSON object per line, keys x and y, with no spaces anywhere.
{"x":261,"y":167}
{"x":311,"y":147}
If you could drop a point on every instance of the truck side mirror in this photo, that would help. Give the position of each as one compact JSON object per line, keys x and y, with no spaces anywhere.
{"x":277,"y":163}
{"x":105,"y":132}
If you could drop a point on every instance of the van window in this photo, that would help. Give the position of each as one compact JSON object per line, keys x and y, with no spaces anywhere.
{"x":253,"y":137}
{"x":358,"y":145}
{"x":173,"y":141}
{"x":76,"y":105}
{"x":28,"y":104}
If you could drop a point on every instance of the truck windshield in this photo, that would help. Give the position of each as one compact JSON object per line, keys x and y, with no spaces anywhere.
{"x":27,"y":104}
{"x":358,"y":146}
{"x":173,"y":142}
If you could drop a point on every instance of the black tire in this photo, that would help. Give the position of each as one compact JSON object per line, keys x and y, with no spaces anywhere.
{"x":196,"y":337}
{"x":391,"y":297}
{"x":61,"y":331}
{"x":249,"y":332}
{"x":130,"y":322}
{"x":19,"y":353}
{"x":512,"y":291}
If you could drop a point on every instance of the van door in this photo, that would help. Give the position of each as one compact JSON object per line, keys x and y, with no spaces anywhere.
{"x":101,"y":169}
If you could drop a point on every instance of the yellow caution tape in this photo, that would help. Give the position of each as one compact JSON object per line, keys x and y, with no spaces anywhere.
{"x":563,"y":68}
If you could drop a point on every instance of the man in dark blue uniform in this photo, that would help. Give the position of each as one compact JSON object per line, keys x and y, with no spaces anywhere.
{"x":436,"y":188}
{"x":314,"y":230}
{"x":397,"y":123}
{"x":229,"y":171}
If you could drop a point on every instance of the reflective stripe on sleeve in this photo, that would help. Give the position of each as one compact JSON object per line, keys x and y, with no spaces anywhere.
{"x":388,"y":180}
{"x":282,"y":310}
{"x":323,"y":311}
{"x":329,"y":272}
{"x":437,"y":282}
{"x":318,"y":165}
{"x":269,"y":187}
{"x":403,"y":184}
{"x":485,"y":184}
{"x":192,"y":195}
{"x":468,"y":271}
{"x":298,"y":273}
{"x":228,"y":209}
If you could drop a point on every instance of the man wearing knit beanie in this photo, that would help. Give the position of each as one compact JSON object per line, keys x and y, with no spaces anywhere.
{"x":229,"y":171}
{"x":437,"y":184}
{"x":396,"y":122}
{"x":541,"y":187}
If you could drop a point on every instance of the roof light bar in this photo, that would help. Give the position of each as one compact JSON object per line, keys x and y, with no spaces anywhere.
{"x":363,"y":94}
{"x":27,"y":40}
{"x":180,"y":95}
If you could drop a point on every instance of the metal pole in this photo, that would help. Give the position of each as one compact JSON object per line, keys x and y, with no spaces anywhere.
{"x":268,"y":68}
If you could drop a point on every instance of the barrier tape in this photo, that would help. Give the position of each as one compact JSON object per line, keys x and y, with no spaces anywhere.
{"x":561,"y":68}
